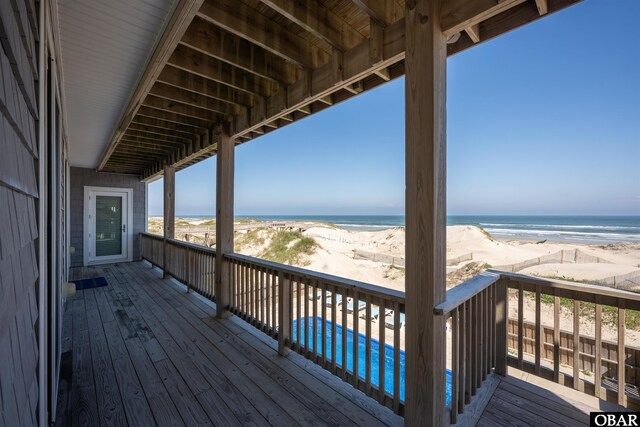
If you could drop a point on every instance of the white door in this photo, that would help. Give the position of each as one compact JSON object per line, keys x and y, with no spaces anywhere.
{"x":108,"y":235}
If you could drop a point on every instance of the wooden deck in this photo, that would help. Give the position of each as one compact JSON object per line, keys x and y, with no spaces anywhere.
{"x":521,"y":399}
{"x":142,"y":351}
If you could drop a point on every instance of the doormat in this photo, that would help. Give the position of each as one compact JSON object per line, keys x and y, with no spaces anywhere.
{"x":96,"y":282}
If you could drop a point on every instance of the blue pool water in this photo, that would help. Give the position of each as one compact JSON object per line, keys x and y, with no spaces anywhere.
{"x":362,"y":347}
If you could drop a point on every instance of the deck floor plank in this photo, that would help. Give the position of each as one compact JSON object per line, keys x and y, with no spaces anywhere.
{"x":172,"y":362}
{"x":110,"y":407}
{"x":241,"y":355}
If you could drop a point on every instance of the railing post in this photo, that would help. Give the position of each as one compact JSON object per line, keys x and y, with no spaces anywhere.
{"x":425,"y":133}
{"x":284,"y":314}
{"x":169,"y":213}
{"x":224,"y":219}
{"x":502,"y":321}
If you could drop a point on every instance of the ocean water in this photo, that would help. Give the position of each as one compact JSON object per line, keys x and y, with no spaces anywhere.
{"x":577,"y":229}
{"x":362,"y":348}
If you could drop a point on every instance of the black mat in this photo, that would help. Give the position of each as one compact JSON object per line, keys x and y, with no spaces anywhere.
{"x":96,"y":282}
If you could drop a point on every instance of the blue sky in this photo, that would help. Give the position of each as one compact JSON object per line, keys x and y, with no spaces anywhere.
{"x":543,"y":120}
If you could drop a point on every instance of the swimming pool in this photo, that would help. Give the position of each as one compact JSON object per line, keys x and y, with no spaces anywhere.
{"x":362,"y":347}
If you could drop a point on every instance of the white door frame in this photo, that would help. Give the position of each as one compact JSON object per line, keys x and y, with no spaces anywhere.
{"x":86,"y":223}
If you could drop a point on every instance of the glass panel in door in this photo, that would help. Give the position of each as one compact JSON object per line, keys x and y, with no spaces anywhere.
{"x":108,"y":225}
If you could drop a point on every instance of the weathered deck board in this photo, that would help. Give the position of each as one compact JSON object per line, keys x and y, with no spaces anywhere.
{"x":517,"y":402}
{"x":159,"y":357}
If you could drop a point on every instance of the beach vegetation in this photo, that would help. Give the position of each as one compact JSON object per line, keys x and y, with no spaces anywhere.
{"x":289,"y":247}
{"x":486,"y":233}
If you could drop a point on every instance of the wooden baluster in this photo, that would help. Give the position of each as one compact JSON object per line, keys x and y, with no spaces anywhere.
{"x":274,"y":299}
{"x":520,"y":326}
{"x":323,"y":325}
{"x":284,"y":312}
{"x":298,"y":315}
{"x":243,"y":282}
{"x":484,"y":322}
{"x":576,"y":344}
{"x":333,"y":329}
{"x":473,"y":314}
{"x":598,"y":355}
{"x":367,"y":364}
{"x":538,"y":342}
{"x":261,"y":297}
{"x":255,"y":287}
{"x":501,"y":333}
{"x":356,"y":340}
{"x":455,"y":372}
{"x":622,"y":397}
{"x":463,"y":357}
{"x":267,"y":300}
{"x":479,"y":343}
{"x":556,"y":339}
{"x":306,"y":317}
{"x":345,"y":352}
{"x":492,"y":327}
{"x":315,"y":321}
{"x":381,"y":352}
{"x":396,"y":356}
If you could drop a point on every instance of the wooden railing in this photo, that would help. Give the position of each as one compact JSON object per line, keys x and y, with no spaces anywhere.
{"x":573,"y":351}
{"x":191,"y":264}
{"x":321,"y":316}
{"x":152,"y":248}
{"x":476,"y":311}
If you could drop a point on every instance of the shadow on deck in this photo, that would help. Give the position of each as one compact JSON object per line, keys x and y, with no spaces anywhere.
{"x":142,"y":351}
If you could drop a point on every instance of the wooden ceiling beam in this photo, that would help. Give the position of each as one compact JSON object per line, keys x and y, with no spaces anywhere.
{"x":161,"y":139}
{"x":136,"y":141}
{"x":166,"y":125}
{"x":182,"y":109}
{"x":203,"y":65}
{"x":198,"y":84}
{"x":251,"y":25}
{"x":384,"y":12}
{"x":180,"y":20}
{"x":457,"y":15}
{"x":227,"y":47}
{"x":173,"y":93}
{"x":168,"y":116}
{"x":161,"y":132}
{"x":319,"y":21}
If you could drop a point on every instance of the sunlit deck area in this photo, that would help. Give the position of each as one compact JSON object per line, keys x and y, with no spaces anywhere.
{"x":143,"y":351}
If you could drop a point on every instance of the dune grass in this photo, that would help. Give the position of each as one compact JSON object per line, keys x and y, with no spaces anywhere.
{"x":289,"y":247}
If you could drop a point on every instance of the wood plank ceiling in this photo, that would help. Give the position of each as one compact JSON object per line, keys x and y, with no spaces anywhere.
{"x":259,"y":65}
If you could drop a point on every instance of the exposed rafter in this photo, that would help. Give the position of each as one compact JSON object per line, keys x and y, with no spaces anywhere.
{"x":245,"y":22}
{"x":227,"y":47}
{"x":205,"y":66}
{"x":319,"y":21}
{"x":198,"y":84}
{"x":385,"y":12}
{"x":193,"y":99}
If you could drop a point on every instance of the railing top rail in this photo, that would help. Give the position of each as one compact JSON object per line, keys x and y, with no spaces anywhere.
{"x":465,"y":291}
{"x":193,"y":246}
{"x":177,"y":242}
{"x":374,"y":290}
{"x":151,"y":235}
{"x":570,"y":286}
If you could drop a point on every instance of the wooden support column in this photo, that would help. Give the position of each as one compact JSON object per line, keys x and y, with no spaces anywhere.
{"x":169,"y":213}
{"x":425,"y":101}
{"x":224,"y":220}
